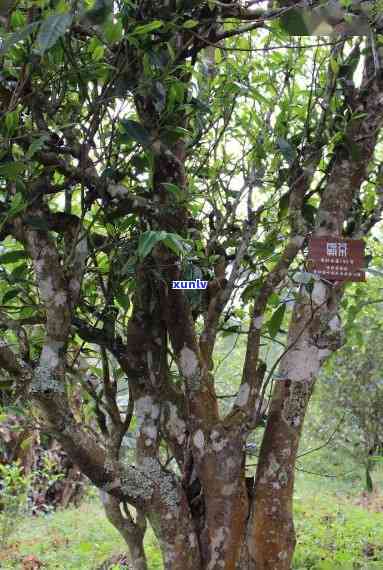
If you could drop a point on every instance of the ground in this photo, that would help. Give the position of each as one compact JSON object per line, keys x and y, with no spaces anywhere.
{"x":337,"y":527}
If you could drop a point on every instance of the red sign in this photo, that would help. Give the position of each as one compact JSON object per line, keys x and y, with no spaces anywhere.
{"x":337,"y":259}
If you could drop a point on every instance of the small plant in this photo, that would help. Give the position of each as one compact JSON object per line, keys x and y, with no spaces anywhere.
{"x":14,"y":488}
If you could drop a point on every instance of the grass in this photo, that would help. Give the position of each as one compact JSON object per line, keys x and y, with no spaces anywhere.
{"x":74,"y":539}
{"x":334,"y":533}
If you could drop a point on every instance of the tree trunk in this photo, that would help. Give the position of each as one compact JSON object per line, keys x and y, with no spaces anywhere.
{"x":313,"y":335}
{"x":132,"y":533}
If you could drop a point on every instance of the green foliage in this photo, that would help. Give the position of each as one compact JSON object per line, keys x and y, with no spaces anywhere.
{"x":51,"y":30}
{"x":132,"y":130}
{"x":73,"y":539}
{"x":275,"y":322}
{"x":11,"y":40}
{"x":147,"y":28}
{"x":294,"y":23}
{"x":334,"y":533}
{"x":149,"y":239}
{"x":240,"y":120}
{"x":14,"y":488}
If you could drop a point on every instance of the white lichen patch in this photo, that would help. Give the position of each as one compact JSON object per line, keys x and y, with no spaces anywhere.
{"x":257,"y":322}
{"x":174,"y":424}
{"x":164,"y":482}
{"x":286,"y":452}
{"x":137,"y":484}
{"x":230,"y":463}
{"x":319,"y":294}
{"x":301,"y":365}
{"x":217,"y":441}
{"x":243,"y":395}
{"x":39,"y":267}
{"x":217,"y":554}
{"x":199,"y":439}
{"x":144,"y":408}
{"x":50,"y":354}
{"x":60,"y":299}
{"x":273,"y":465}
{"x":150,"y":431}
{"x":324,"y":353}
{"x":335,"y":324}
{"x":192,"y":540}
{"x":295,"y":404}
{"x":188,"y":363}
{"x":117,"y":191}
{"x":45,"y":377}
{"x":46,"y":288}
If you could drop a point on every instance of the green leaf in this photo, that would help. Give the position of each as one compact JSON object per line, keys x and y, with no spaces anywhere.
{"x":36,"y":145}
{"x":283,"y":206}
{"x":12,"y":256}
{"x":99,"y":12}
{"x":147,"y":241}
{"x":123,"y":299}
{"x":147,"y":28}
{"x":18,"y":273}
{"x":132,"y":130}
{"x":180,"y":131}
{"x":190,"y":24}
{"x":12,"y":121}
{"x":18,"y":19}
{"x":334,"y":66}
{"x":11,"y":169}
{"x":98,"y":52}
{"x":174,"y":243}
{"x":10,"y":295}
{"x":288,"y":151}
{"x":18,"y":204}
{"x":217,"y":56}
{"x":250,"y":291}
{"x":113,"y":32}
{"x":173,"y":188}
{"x":274,"y":300}
{"x":274,"y":324}
{"x":309,"y":212}
{"x":293,"y":23}
{"x":51,"y":30}
{"x":12,"y":39}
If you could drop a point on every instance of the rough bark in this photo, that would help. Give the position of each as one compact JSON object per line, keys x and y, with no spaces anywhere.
{"x":314,"y":333}
{"x":271,"y":536}
{"x":133,"y":534}
{"x":201,"y":517}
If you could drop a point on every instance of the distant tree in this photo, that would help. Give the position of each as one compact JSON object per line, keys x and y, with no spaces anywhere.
{"x":353,"y":387}
{"x":145,"y":142}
